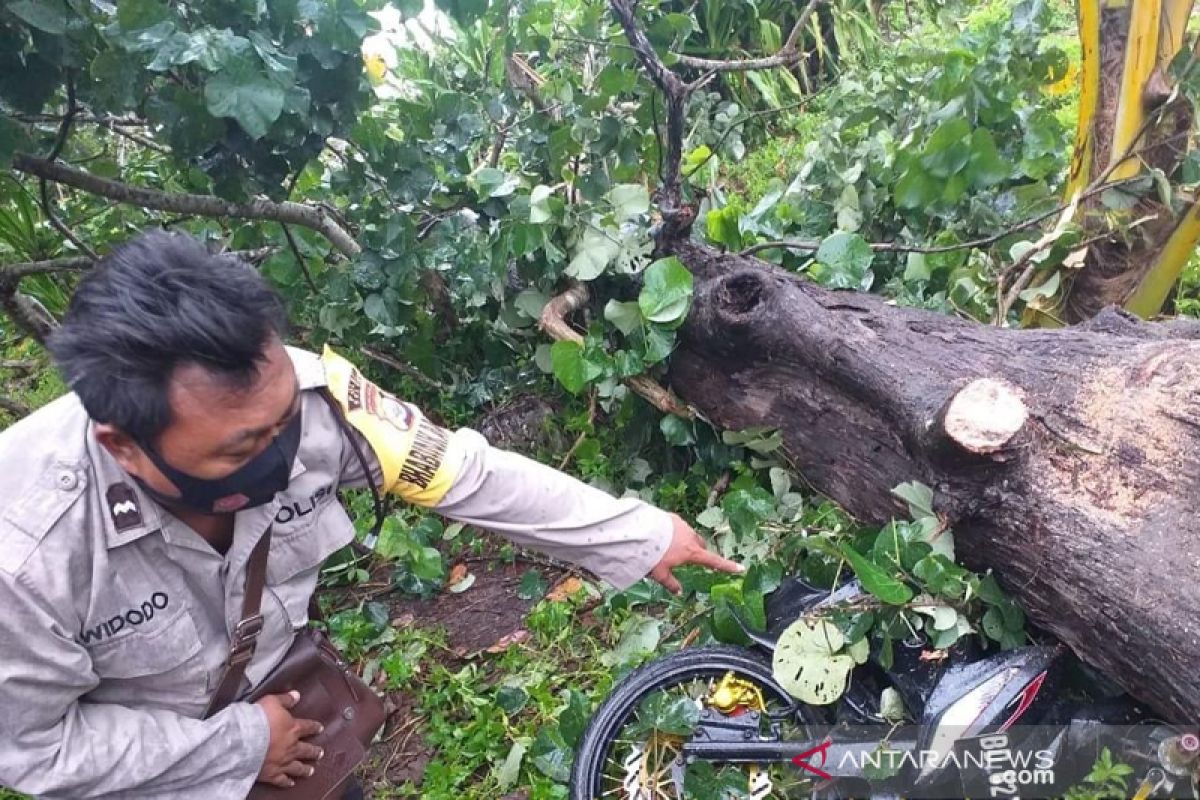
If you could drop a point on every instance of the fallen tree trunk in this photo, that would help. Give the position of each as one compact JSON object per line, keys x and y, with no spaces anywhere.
{"x":1068,"y":461}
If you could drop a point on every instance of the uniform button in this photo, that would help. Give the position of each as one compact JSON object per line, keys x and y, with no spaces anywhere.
{"x":67,"y":480}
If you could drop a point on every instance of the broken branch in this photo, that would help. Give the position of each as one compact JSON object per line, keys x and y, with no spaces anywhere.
{"x":304,"y":215}
{"x":554,"y":322}
{"x":788,"y":54}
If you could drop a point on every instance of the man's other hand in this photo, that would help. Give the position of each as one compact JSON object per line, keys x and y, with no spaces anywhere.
{"x":688,"y":548}
{"x":288,"y":755}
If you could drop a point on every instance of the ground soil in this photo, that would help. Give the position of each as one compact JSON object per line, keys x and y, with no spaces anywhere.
{"x":473,"y":621}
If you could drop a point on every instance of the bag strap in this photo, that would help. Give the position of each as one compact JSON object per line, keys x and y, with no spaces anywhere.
{"x":245,"y":634}
{"x":381,"y":504}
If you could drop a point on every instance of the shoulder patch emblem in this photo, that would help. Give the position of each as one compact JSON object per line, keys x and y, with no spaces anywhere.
{"x":419,"y":460}
{"x":363,"y":395}
{"x":123,"y":507}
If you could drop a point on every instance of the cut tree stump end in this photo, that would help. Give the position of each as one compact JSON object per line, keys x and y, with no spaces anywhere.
{"x":985,"y":415}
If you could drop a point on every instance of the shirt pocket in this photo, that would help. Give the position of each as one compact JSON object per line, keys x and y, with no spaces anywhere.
{"x":296,"y":558}
{"x":152,"y":666}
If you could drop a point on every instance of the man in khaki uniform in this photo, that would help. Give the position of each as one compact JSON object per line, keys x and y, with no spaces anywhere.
{"x":129,"y":508}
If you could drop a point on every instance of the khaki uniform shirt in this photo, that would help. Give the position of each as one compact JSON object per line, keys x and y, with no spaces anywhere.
{"x":115,"y":617}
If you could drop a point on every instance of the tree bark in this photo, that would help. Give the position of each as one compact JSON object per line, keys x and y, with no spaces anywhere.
{"x":1070,"y":465}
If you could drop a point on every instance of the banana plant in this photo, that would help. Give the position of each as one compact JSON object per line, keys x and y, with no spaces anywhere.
{"x":1131,"y":170}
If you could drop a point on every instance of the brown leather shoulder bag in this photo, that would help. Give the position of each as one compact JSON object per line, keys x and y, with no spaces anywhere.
{"x":330,"y":692}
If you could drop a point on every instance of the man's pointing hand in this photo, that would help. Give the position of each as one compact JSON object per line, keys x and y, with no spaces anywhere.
{"x":688,"y":548}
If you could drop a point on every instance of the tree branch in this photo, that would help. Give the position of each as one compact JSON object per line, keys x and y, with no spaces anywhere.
{"x":788,"y":54}
{"x":554,"y":322}
{"x":32,"y":317}
{"x":58,"y":224}
{"x":23,"y":269}
{"x":400,"y":366}
{"x":896,"y":247}
{"x":675,"y":218}
{"x":291,"y":240}
{"x":64,"y":131}
{"x":307,"y":216}
{"x":14,"y":272}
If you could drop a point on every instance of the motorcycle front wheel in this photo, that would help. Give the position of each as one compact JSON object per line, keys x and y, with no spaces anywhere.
{"x":621,"y":757}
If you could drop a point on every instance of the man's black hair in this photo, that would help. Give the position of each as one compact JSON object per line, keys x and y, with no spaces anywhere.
{"x":155,"y":303}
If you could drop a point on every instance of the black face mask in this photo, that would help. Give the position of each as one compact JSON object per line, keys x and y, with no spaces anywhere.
{"x":255,"y":483}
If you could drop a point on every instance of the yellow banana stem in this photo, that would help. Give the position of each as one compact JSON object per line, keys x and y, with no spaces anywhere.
{"x":1151,"y":292}
{"x":1175,"y":15}
{"x":1089,"y":96}
{"x":1141,"y":56}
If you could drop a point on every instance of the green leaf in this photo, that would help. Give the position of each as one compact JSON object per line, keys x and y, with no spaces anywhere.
{"x":640,"y":636}
{"x":711,"y":517}
{"x":466,"y":583}
{"x":539,"y":205}
{"x":673,"y":714}
{"x":940,"y":576}
{"x":45,"y":15}
{"x":891,"y":705}
{"x":746,"y":508}
{"x":659,"y":342}
{"x":724,"y":625}
{"x":1047,"y":288}
{"x":807,"y":662}
{"x":533,"y":585}
{"x":993,"y":623}
{"x":666,"y":292}
{"x":695,"y":158}
{"x":593,"y":254}
{"x":627,"y":317}
{"x":943,"y":617}
{"x":573,"y":719}
{"x":860,"y":651}
{"x":490,"y":182}
{"x":918,"y":496}
{"x":246,"y":95}
{"x":511,"y":699}
{"x":570,"y":367}
{"x":875,"y":580}
{"x":551,"y":755}
{"x":629,"y":200}
{"x":916,"y":188}
{"x":948,"y":149}
{"x":989,"y":591}
{"x":916,"y":267}
{"x":985,"y":166}
{"x":721,"y":226}
{"x":846,"y":258}
{"x":531,"y":302}
{"x":510,"y":768}
{"x":676,"y":431}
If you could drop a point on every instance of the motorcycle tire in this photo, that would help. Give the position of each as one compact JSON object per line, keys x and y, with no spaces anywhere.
{"x":615,"y":712}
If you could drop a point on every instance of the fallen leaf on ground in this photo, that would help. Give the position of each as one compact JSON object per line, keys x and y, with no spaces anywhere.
{"x":508,"y":640}
{"x":565,"y":589}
